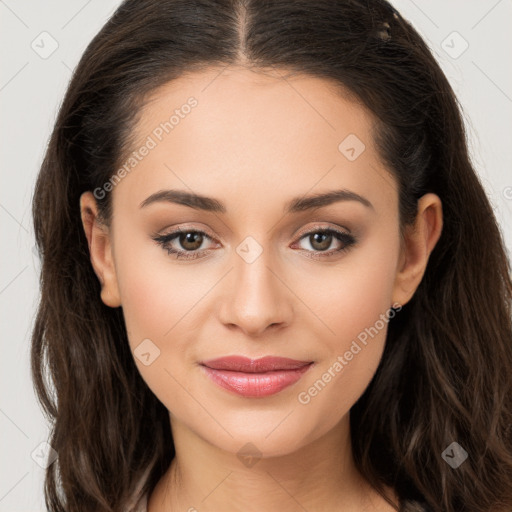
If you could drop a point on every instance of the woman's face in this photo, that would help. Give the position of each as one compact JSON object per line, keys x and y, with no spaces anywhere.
{"x":260,"y":272}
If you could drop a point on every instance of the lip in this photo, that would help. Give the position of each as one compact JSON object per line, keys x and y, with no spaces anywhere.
{"x":255,"y":377}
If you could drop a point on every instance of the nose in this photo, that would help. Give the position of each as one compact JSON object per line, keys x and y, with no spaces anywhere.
{"x":257,"y":298}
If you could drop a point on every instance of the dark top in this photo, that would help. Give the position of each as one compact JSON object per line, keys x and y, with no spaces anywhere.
{"x":414,"y":506}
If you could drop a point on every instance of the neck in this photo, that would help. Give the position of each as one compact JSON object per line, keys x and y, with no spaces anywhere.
{"x":317,"y":476}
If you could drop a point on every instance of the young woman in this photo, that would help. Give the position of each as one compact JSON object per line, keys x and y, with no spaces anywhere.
{"x":271,"y":279}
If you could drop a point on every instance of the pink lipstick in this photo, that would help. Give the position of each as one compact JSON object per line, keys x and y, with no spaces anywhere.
{"x":255,"y":377}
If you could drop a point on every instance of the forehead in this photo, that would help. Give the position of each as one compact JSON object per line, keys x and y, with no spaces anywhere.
{"x":252,"y":105}
{"x":230,"y":128}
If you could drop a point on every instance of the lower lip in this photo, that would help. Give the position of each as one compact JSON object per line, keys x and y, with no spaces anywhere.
{"x":255,"y":384}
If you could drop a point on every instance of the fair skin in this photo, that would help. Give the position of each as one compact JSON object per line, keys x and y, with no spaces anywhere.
{"x":254,"y":142}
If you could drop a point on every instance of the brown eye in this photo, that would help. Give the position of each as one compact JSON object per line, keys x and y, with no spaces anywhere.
{"x":321,"y":241}
{"x":190,"y":240}
{"x":184,"y":243}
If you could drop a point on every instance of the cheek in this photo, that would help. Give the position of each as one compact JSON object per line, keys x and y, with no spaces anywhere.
{"x":355,"y":306}
{"x":352,"y":295}
{"x":149,"y":303}
{"x":158,"y":297}
{"x":156,"y":292}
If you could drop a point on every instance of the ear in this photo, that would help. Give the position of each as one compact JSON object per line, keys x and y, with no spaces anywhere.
{"x":100,"y":250}
{"x":419,"y":241}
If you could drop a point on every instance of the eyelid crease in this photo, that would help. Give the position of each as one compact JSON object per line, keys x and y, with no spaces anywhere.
{"x":321,"y":227}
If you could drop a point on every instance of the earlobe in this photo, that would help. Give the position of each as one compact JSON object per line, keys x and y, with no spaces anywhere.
{"x":100,"y":250}
{"x":419,"y":241}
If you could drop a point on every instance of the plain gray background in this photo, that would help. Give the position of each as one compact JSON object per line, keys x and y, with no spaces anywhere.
{"x":32,"y":85}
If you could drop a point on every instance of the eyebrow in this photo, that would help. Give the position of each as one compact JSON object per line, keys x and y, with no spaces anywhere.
{"x":298,"y":204}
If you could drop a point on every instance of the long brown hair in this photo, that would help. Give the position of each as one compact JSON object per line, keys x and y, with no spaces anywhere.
{"x":445,"y":375}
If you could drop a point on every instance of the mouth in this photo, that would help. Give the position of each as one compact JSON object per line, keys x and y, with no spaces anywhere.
{"x":255,"y":377}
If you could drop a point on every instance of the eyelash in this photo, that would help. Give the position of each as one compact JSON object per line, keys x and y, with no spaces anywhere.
{"x":164,"y":241}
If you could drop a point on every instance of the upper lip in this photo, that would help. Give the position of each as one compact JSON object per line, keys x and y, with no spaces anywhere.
{"x":247,"y":365}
